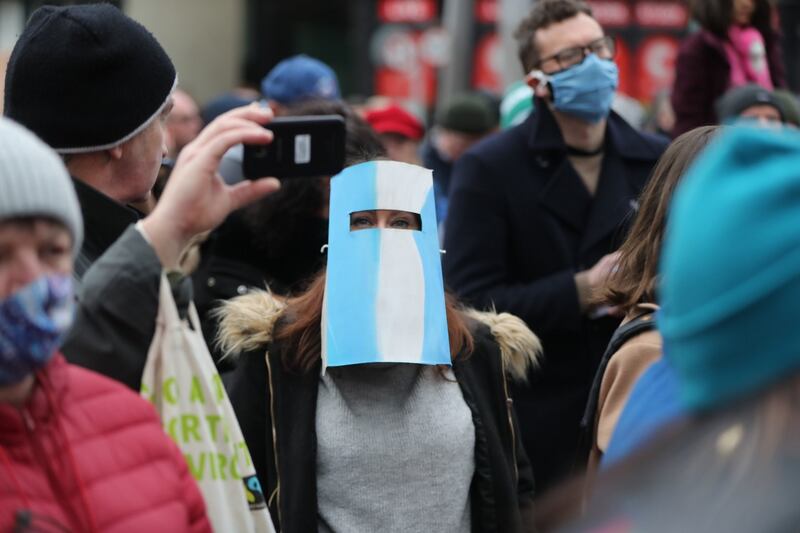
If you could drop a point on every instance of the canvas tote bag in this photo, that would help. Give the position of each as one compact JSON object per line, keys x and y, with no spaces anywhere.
{"x":180,"y":379}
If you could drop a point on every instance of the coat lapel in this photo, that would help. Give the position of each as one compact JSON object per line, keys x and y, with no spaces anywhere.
{"x":616,"y":200}
{"x":563,"y":194}
{"x":613,"y":202}
{"x":566,"y":197}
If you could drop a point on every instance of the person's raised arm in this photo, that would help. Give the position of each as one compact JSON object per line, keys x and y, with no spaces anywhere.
{"x":196,"y":199}
{"x":118,"y":303}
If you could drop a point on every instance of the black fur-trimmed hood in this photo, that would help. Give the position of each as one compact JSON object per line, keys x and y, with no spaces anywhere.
{"x":247,"y":322}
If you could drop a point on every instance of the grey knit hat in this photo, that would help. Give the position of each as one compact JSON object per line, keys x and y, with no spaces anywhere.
{"x":34,"y":181}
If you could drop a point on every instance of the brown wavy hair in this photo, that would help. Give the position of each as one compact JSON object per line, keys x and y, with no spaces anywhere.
{"x":300,"y":331}
{"x":634,"y":281}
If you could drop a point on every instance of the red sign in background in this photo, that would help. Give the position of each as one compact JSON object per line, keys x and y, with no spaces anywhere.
{"x":647,"y":32}
{"x":669,"y":15}
{"x":486,"y":66}
{"x":486,"y":11}
{"x":407,"y":10}
{"x":612,"y":14}
{"x":408,"y":59}
{"x":627,"y":82}
{"x":655,"y":62}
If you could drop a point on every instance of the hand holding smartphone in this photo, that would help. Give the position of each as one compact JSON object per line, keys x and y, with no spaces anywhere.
{"x":302,"y":146}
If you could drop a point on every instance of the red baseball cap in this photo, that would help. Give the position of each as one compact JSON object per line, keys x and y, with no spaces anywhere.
{"x":395,"y":119}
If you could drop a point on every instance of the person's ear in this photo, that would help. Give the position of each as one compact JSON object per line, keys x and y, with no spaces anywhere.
{"x":115,"y":153}
{"x":535,"y":81}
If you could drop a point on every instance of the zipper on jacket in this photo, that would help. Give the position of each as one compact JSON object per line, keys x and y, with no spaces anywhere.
{"x":509,"y":413}
{"x":41,"y":458}
{"x":277,"y":492}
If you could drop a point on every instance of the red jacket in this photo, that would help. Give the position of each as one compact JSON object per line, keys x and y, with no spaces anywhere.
{"x":87,"y":454}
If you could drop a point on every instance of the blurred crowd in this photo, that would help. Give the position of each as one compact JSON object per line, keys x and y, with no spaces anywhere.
{"x":565,"y":311}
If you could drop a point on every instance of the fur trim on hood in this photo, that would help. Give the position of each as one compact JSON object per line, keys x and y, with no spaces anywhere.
{"x":246,"y":323}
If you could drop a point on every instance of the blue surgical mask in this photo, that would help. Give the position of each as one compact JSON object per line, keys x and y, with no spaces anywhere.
{"x":33,"y":322}
{"x":586,"y":90}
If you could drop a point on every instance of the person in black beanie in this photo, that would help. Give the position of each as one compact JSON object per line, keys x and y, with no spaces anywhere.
{"x":95,"y":85}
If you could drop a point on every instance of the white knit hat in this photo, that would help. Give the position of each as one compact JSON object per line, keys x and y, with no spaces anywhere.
{"x":34,"y":181}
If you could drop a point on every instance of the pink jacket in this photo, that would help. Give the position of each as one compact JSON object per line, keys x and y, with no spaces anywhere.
{"x":703,"y":74}
{"x":87,"y":454}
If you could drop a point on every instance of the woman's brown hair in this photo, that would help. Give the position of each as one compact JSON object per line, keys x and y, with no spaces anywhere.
{"x":634,"y":280}
{"x":300,"y":331}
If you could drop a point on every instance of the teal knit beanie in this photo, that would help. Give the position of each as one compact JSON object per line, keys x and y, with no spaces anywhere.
{"x":730,"y":268}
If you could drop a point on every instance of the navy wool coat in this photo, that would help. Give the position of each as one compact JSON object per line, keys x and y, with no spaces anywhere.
{"x":521,"y":223}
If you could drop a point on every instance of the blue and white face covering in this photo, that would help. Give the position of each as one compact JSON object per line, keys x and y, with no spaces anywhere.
{"x":384,"y":294}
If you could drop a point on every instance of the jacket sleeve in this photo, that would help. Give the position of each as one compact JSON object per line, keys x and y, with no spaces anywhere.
{"x":525,"y":482}
{"x":691,"y":96}
{"x":477,"y":263}
{"x":115,"y":318}
{"x":624,"y":369}
{"x":777,"y":71}
{"x":249,"y":394}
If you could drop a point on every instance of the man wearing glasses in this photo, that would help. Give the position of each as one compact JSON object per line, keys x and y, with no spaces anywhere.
{"x":538,"y":210}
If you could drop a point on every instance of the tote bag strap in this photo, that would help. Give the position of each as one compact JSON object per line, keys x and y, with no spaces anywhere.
{"x":167,"y":309}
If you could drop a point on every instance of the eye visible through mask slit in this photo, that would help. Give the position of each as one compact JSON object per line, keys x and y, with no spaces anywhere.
{"x":385,"y":219}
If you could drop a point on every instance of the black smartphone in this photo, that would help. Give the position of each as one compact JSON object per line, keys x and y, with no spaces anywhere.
{"x":302,"y":146}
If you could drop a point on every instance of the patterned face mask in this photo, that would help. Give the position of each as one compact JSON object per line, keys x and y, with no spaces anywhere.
{"x":33,"y":322}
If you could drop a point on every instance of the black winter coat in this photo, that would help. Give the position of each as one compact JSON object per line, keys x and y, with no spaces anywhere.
{"x":119,"y":274}
{"x":104,"y":221}
{"x":115,"y":319}
{"x":276,"y":409}
{"x":519,"y":226}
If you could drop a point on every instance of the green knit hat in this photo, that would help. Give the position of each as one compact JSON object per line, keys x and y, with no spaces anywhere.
{"x":730,"y":268}
{"x":34,"y":181}
{"x":467,"y":113}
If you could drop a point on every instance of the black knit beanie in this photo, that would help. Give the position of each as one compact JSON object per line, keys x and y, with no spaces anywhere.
{"x":86,"y":78}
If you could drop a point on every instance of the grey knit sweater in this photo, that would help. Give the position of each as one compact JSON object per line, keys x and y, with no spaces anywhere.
{"x":396,"y":450}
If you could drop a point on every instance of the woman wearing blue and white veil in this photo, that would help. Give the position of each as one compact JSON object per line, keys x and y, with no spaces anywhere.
{"x":372,"y":402}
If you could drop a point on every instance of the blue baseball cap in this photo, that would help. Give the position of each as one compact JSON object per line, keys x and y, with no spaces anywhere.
{"x":300,"y":78}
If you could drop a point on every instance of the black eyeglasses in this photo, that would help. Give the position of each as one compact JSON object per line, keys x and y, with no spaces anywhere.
{"x":604,"y":48}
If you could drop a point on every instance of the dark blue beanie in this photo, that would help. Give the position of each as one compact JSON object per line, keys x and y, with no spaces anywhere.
{"x":86,"y":77}
{"x":730,"y":269}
